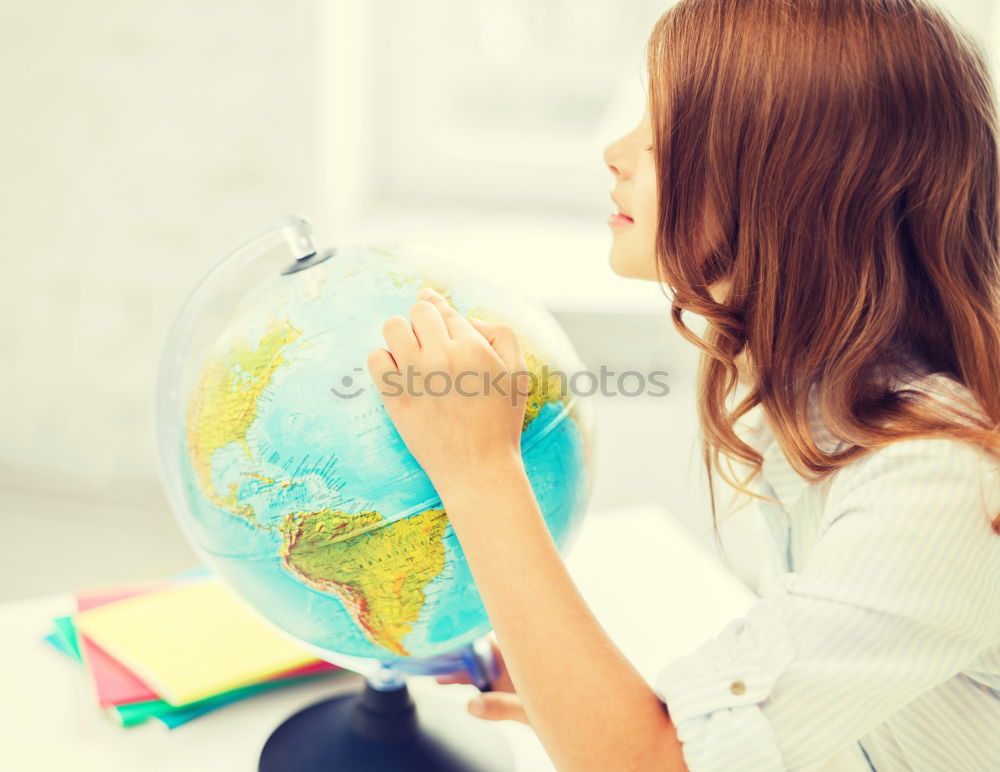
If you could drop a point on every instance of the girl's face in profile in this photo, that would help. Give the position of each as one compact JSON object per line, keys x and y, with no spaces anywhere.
{"x":633,"y":246}
{"x":631,"y":161}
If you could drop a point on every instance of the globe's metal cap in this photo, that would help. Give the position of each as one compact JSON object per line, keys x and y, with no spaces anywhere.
{"x":298,"y":235}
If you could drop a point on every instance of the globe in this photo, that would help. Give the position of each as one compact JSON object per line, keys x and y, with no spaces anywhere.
{"x":288,"y":476}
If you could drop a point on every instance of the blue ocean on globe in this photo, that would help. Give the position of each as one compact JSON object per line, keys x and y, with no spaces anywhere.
{"x":299,"y":491}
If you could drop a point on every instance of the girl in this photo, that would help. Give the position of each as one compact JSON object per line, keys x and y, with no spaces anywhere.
{"x":818,"y":180}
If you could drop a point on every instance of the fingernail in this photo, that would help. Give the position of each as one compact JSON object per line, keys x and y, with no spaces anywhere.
{"x":477,"y":706}
{"x":425,"y":292}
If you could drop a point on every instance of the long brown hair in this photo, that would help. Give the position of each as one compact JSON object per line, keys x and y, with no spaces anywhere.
{"x":834,"y":161}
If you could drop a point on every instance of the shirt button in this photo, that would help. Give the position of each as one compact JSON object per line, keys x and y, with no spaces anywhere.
{"x":737,"y":687}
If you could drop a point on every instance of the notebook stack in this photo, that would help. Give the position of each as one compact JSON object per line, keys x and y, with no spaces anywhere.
{"x":176,"y":649}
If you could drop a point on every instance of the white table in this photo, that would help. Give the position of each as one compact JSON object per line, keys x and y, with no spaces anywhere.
{"x":633,"y":565}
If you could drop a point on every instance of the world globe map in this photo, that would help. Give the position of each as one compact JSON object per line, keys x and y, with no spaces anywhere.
{"x":297,"y":488}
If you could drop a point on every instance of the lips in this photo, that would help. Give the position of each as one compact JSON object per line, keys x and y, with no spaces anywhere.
{"x":620,"y":208}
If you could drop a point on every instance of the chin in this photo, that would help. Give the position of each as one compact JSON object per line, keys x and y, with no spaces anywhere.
{"x":630,"y":267}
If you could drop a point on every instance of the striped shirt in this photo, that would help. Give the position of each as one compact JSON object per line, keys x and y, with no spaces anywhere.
{"x":876,"y":636}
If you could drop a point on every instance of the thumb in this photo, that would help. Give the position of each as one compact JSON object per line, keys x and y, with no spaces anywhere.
{"x":498,"y":706}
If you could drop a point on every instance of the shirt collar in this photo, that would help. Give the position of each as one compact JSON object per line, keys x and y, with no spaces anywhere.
{"x":788,"y":484}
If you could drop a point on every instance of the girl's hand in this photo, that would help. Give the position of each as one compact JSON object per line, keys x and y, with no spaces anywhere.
{"x":498,"y":705}
{"x":455,"y":388}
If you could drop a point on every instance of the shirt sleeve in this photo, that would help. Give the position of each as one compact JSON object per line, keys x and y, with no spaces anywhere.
{"x":900,"y":593}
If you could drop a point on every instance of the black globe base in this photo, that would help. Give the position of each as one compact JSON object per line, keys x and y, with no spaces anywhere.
{"x":384,"y":730}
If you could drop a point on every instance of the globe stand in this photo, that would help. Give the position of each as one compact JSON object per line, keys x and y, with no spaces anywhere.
{"x":384,"y":730}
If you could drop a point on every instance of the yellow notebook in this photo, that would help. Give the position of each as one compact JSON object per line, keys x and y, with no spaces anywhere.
{"x":191,"y":641}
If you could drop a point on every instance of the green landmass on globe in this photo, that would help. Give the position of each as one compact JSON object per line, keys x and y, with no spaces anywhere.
{"x":378,"y":573}
{"x":224,"y":405}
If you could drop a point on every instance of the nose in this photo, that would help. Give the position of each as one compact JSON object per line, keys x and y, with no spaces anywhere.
{"x":611,"y":157}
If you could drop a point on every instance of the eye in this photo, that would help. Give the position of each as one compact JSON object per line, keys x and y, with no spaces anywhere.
{"x":649,"y":148}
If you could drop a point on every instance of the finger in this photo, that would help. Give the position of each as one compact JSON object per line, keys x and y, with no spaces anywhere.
{"x":428,"y":326}
{"x":380,"y":364}
{"x":400,"y":339}
{"x":454,"y":678}
{"x":504,"y":341}
{"x":458,"y":326}
{"x":498,"y":706}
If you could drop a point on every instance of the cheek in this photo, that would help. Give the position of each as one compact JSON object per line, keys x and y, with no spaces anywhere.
{"x":645,"y":198}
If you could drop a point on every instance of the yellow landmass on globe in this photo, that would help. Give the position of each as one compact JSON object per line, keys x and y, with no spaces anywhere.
{"x":379,"y":573}
{"x":545,"y":387}
{"x":223,"y":405}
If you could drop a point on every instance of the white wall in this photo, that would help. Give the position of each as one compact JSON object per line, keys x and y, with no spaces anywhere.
{"x":139,"y":140}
